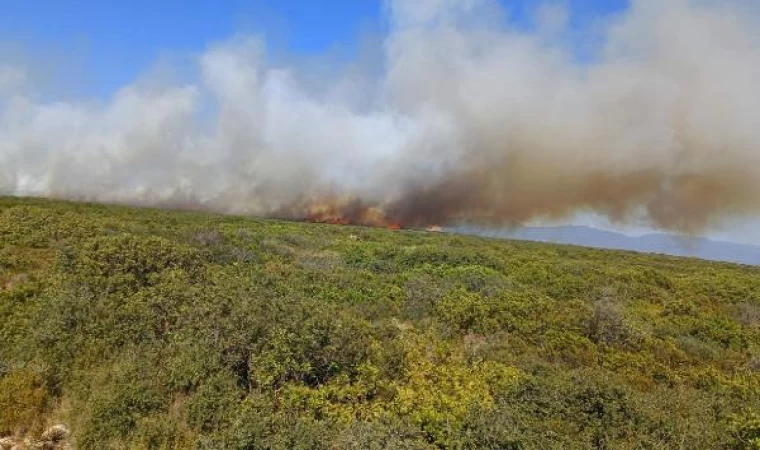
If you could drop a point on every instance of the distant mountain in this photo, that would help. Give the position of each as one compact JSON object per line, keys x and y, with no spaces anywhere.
{"x":667,"y":244}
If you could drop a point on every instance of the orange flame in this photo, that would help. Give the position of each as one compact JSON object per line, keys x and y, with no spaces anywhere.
{"x":348,"y":212}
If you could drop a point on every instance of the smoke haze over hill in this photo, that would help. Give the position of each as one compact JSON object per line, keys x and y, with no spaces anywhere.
{"x":466,"y":119}
{"x":659,"y":243}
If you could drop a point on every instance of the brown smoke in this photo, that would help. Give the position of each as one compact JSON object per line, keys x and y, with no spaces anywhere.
{"x":656,"y":118}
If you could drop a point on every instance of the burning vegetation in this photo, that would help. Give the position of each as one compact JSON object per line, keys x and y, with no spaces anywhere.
{"x":466,"y":120}
{"x":348,"y":212}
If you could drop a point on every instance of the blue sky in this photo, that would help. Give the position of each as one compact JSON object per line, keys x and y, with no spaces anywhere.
{"x":112,"y":42}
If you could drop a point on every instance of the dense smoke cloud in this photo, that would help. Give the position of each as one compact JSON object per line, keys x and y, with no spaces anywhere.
{"x":658,"y":117}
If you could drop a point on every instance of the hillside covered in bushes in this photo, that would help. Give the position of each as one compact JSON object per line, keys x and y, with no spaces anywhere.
{"x":149,"y":329}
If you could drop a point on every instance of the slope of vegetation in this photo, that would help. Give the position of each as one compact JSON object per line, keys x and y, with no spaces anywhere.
{"x":148,"y":329}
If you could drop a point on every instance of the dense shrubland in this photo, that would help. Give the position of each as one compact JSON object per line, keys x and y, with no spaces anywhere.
{"x":147,"y":329}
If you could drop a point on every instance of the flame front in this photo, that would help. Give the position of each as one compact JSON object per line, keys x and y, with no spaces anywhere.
{"x":348,"y":212}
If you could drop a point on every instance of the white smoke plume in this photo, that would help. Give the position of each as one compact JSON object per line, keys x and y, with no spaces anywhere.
{"x":469,"y":119}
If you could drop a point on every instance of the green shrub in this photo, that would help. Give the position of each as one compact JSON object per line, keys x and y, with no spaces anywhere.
{"x":466,"y":312}
{"x":124,"y":262}
{"x":212,"y":404}
{"x":746,"y":432}
{"x":143,"y":329}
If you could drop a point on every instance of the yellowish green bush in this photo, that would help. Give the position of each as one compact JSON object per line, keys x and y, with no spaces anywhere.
{"x":177,"y":330}
{"x":23,"y":401}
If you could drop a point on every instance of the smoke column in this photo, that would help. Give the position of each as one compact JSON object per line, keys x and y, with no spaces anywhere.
{"x":467,"y":119}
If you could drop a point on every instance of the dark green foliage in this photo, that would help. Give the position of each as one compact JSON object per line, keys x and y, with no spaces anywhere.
{"x":213,"y":402}
{"x":124,"y":262}
{"x":148,"y":329}
{"x":746,"y":431}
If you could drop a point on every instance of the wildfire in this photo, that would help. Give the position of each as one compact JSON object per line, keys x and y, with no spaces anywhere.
{"x":348,"y":212}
